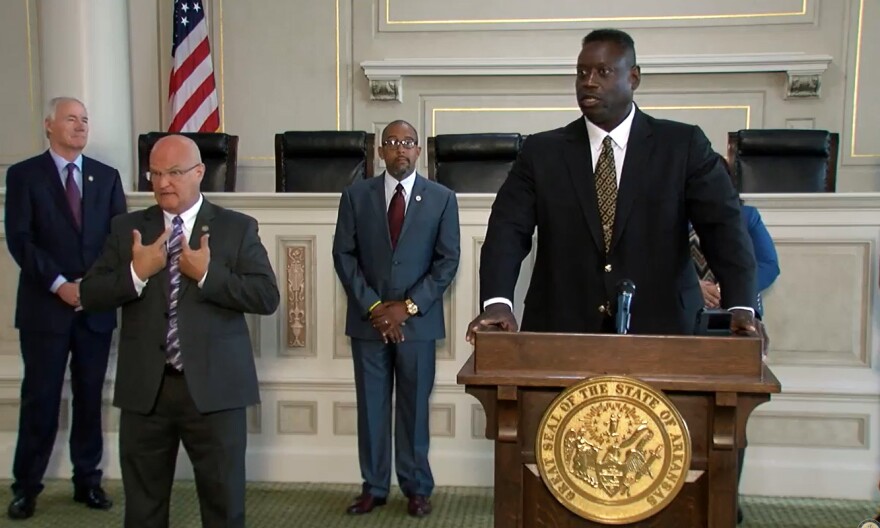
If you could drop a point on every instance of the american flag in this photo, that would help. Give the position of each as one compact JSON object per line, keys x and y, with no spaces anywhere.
{"x":191,"y":89}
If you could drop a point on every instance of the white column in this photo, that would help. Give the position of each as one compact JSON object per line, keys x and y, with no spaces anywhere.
{"x":84,"y":51}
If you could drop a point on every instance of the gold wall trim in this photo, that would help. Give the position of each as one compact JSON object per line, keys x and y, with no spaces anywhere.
{"x":435,"y":111}
{"x":391,"y":22}
{"x":35,"y":117}
{"x":855,"y":111}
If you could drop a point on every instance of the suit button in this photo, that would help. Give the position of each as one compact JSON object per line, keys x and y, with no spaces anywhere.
{"x":601,"y":308}
{"x":396,"y":263}
{"x":607,"y":268}
{"x":162,"y":348}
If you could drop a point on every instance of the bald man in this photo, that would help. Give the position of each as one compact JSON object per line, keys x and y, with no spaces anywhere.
{"x":185,"y":272}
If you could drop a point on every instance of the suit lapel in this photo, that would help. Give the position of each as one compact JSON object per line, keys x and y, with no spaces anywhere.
{"x":635,"y":166}
{"x":89,"y":193}
{"x":56,"y":188}
{"x":202,"y":226}
{"x":579,"y":160}
{"x":377,"y":196}
{"x":414,"y":207}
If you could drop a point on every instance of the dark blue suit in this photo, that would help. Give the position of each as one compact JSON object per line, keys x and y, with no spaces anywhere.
{"x":45,"y":242}
{"x":420,"y":268}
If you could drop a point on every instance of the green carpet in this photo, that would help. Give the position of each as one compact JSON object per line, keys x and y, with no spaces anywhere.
{"x":273,"y":505}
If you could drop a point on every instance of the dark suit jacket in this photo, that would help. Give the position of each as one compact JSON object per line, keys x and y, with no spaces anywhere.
{"x":214,"y":338}
{"x":670,"y":175}
{"x":44,"y":241}
{"x":421,"y":267}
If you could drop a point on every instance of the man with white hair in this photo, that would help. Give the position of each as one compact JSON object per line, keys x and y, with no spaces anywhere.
{"x":59,"y":205}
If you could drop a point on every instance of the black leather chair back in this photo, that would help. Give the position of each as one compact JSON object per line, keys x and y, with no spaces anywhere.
{"x":322,"y":161}
{"x":472,"y":163}
{"x":219,"y":154}
{"x":785,"y":160}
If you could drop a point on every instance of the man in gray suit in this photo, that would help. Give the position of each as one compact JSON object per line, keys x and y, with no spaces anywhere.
{"x":185,"y":370}
{"x":396,"y":251}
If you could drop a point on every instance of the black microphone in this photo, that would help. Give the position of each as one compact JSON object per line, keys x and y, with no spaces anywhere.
{"x":625,"y":290}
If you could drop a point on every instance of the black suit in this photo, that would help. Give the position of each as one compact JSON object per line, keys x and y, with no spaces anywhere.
{"x":45,"y":242}
{"x":670,"y":175}
{"x":203,"y":407}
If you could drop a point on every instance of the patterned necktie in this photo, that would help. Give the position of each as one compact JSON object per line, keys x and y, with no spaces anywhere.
{"x":395,"y":214}
{"x":73,"y":196}
{"x":703,"y":271}
{"x":702,"y":266}
{"x":172,"y":339}
{"x":606,"y":190}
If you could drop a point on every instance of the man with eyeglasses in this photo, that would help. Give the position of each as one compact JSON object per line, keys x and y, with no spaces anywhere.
{"x":57,"y":216}
{"x":185,"y":272}
{"x":396,"y":250}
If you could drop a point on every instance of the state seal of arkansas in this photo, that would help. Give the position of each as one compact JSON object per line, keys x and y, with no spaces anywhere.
{"x":613,"y":449}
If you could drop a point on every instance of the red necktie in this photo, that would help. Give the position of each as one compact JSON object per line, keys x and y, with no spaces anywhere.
{"x":395,"y":214}
{"x":73,"y":196}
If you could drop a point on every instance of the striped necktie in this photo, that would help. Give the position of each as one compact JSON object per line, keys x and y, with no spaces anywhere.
{"x":172,"y":339}
{"x":702,"y":266}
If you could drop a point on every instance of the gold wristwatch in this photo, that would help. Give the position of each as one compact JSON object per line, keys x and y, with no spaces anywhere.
{"x":411,"y":307}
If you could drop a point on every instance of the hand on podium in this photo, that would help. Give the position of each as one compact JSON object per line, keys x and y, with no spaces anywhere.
{"x":743,"y":323}
{"x":495,"y":317}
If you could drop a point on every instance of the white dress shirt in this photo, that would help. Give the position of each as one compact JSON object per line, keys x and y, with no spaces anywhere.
{"x":391,"y":186}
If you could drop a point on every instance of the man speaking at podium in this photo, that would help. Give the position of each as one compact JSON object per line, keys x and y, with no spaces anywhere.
{"x":611,"y":195}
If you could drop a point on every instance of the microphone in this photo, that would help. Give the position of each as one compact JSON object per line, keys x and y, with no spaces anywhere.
{"x":625,"y":290}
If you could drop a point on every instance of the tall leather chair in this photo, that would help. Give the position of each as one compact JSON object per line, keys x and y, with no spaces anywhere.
{"x":781,"y":161}
{"x":219,"y":154}
{"x":472,"y":163}
{"x":322,"y":161}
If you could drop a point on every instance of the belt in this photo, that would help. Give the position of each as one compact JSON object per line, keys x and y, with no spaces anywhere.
{"x":171,"y":371}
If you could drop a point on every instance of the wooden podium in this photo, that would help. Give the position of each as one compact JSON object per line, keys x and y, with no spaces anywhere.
{"x":714,"y":382}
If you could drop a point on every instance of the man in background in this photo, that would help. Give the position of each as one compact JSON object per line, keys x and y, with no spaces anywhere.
{"x":57,"y":215}
{"x":185,"y":272}
{"x":396,"y":250}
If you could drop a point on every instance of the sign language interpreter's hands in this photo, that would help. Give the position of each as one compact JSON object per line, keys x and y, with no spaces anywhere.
{"x":148,"y":260}
{"x":194,"y":262}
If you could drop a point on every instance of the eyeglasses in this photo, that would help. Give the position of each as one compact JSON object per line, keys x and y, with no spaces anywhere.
{"x":174,"y":174}
{"x":394,"y":143}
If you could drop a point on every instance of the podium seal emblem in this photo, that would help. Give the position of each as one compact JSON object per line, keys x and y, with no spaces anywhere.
{"x":613,"y":450}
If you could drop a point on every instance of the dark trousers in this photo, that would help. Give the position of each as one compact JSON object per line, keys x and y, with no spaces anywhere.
{"x":215,"y":442}
{"x":378,"y":368}
{"x":45,"y":358}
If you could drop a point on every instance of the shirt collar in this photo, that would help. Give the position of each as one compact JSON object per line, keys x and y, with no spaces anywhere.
{"x":62,"y":163}
{"x":620,"y":135}
{"x":188,"y":216}
{"x":408,"y":182}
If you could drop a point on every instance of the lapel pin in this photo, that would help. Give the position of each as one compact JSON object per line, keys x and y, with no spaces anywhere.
{"x":418,"y":197}
{"x":91,"y":178}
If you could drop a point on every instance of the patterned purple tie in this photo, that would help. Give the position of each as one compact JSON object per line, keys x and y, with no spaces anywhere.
{"x":172,"y":339}
{"x":73,"y":197}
